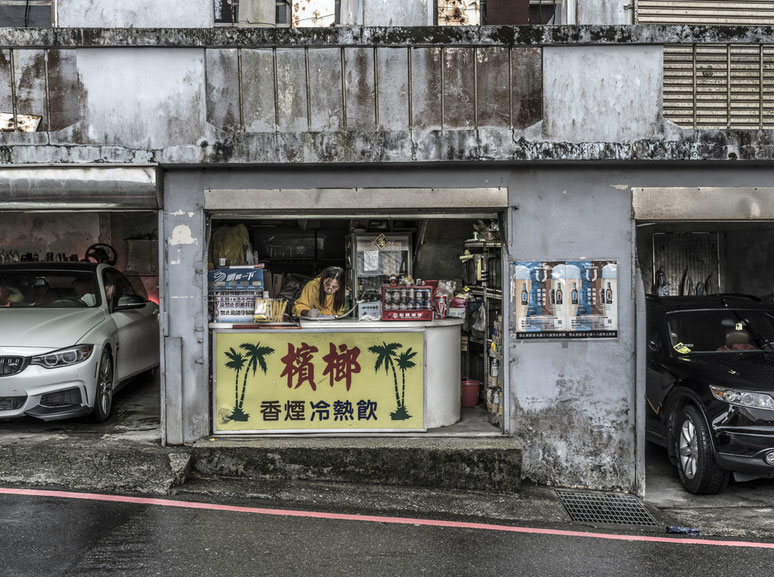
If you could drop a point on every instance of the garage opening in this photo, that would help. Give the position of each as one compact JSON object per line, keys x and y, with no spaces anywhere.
{"x":60,"y":240}
{"x":415,"y":348}
{"x":705,"y":258}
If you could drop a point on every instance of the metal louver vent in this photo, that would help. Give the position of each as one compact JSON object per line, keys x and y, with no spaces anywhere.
{"x":717,"y":12}
{"x":719,"y":86}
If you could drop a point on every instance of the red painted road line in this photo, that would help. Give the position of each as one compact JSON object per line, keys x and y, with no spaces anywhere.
{"x":374,"y":518}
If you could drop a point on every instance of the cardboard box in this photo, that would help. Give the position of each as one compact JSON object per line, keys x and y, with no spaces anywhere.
{"x":456,"y":312}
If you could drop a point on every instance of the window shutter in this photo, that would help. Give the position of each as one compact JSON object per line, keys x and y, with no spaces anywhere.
{"x":740,"y":12}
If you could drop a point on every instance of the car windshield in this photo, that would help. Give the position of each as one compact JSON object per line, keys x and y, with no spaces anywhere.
{"x":41,"y":288}
{"x":721,"y":330}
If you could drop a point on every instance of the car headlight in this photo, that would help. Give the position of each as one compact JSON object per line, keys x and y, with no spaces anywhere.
{"x":63,"y":357}
{"x":743,"y":398}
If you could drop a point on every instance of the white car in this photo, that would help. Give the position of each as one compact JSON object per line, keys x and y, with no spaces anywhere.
{"x":70,"y":335}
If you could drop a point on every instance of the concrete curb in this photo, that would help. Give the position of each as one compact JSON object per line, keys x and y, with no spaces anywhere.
{"x":130,"y":468}
{"x":461,"y":464}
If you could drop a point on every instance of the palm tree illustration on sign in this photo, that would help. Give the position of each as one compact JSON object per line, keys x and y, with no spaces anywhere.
{"x":387,"y":357}
{"x":405,"y":363}
{"x":236,"y":363}
{"x":255,"y":356}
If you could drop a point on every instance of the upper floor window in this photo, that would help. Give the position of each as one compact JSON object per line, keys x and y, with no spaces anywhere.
{"x":549,"y":12}
{"x":325,"y":13}
{"x":507,"y":12}
{"x":315,"y":13}
{"x":295,"y":13}
{"x":226,"y":11}
{"x":26,"y":13}
{"x":282,"y":12}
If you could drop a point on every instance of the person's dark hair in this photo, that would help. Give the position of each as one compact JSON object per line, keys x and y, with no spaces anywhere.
{"x":337,"y":273}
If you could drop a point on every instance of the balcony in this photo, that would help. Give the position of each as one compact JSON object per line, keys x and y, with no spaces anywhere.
{"x":372,"y":95}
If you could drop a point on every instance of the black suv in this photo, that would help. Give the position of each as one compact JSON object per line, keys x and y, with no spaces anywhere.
{"x":710,"y":387}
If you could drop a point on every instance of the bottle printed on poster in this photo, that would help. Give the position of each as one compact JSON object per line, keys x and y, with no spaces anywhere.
{"x":609,"y":294}
{"x":524,"y":294}
{"x":559,"y":296}
{"x":574,"y":294}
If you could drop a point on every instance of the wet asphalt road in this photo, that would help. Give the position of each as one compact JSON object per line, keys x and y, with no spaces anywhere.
{"x":48,"y":536}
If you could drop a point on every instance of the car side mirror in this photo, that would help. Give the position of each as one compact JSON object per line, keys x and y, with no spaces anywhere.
{"x":129,"y":302}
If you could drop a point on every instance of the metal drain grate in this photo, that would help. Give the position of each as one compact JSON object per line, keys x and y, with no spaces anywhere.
{"x":606,"y":508}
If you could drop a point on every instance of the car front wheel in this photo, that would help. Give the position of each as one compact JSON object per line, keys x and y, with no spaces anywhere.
{"x":103,"y":402}
{"x":699,"y":473}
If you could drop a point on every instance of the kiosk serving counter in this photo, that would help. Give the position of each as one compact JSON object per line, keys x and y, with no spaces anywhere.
{"x":335,"y":376}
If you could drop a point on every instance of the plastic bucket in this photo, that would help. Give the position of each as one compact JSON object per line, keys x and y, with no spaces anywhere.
{"x":470,"y":390}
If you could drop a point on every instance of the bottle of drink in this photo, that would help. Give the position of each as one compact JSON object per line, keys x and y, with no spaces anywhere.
{"x":494,"y":368}
{"x":559,"y":296}
{"x":609,"y":295}
{"x":524,"y":294}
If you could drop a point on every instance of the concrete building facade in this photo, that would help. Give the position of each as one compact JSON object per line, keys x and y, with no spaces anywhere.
{"x":569,"y":119}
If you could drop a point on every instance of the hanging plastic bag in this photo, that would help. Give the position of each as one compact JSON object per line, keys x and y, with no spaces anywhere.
{"x":446,"y":287}
{"x":479,"y":320}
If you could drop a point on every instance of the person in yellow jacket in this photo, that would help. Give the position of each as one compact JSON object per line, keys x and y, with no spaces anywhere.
{"x":323,"y":295}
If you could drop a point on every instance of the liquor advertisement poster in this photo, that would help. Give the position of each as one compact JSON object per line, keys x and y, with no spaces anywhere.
{"x":565,"y":299}
{"x":333,"y":381}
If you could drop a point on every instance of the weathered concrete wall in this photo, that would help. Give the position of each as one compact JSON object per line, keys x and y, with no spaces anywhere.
{"x":142,"y":98}
{"x":573,"y":400}
{"x":399,"y":103}
{"x":253,"y":37}
{"x":123,"y":225}
{"x":134,"y":14}
{"x":390,"y":13}
{"x":749,"y":260}
{"x":595,"y":94}
{"x":185,"y":396}
{"x":70,"y":233}
{"x":605,"y":11}
{"x":466,"y":88}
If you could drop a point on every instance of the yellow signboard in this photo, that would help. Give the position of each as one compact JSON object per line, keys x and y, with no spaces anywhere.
{"x":319,"y":381}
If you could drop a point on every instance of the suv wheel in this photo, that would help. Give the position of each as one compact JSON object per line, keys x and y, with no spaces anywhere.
{"x":699,"y":473}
